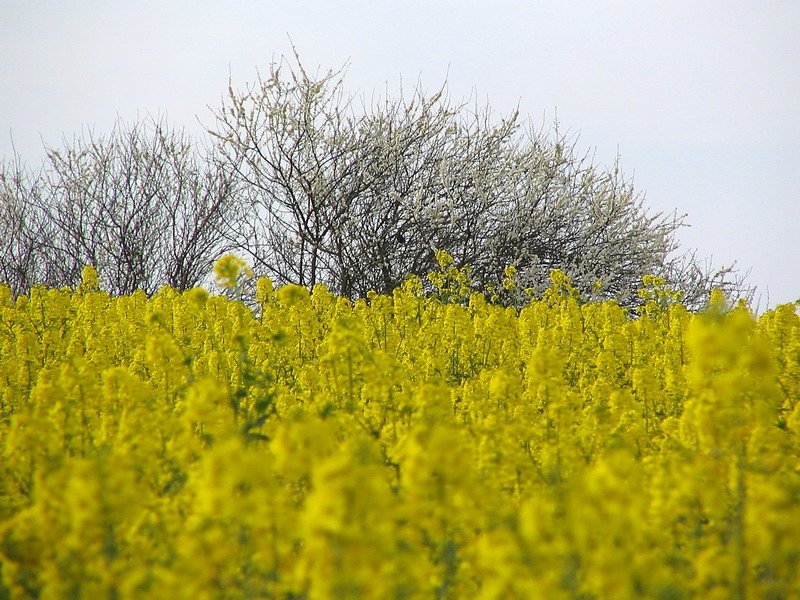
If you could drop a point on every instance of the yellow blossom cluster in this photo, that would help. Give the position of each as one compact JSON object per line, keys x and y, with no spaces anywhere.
{"x":402,"y":446}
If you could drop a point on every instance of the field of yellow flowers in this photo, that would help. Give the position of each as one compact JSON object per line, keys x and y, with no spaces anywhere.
{"x":403,"y":446}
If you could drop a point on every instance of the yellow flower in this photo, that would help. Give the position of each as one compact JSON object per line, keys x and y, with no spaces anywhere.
{"x":229,"y":268}
{"x":399,"y":446}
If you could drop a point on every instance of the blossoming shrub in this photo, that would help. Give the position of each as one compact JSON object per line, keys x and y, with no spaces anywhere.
{"x":403,"y":446}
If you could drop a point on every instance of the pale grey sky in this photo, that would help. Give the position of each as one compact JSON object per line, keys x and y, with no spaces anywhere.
{"x":701,"y":99}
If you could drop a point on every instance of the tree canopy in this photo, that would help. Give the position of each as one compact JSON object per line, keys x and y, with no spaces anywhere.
{"x":312,"y":184}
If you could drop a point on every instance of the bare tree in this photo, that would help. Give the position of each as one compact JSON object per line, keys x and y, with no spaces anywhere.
{"x":140,"y":205}
{"x":357,"y":197}
{"x":24,"y":230}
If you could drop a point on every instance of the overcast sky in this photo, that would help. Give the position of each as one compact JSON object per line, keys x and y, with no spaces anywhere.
{"x":700,"y":99}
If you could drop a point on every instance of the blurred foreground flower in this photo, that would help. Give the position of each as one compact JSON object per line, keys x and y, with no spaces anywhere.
{"x":228,"y":268}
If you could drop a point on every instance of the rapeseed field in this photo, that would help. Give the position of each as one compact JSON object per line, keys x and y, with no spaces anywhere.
{"x":412,"y":445}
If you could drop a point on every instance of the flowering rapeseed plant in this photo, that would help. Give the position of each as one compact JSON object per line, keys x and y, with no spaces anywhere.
{"x":402,"y":446}
{"x":229,"y":268}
